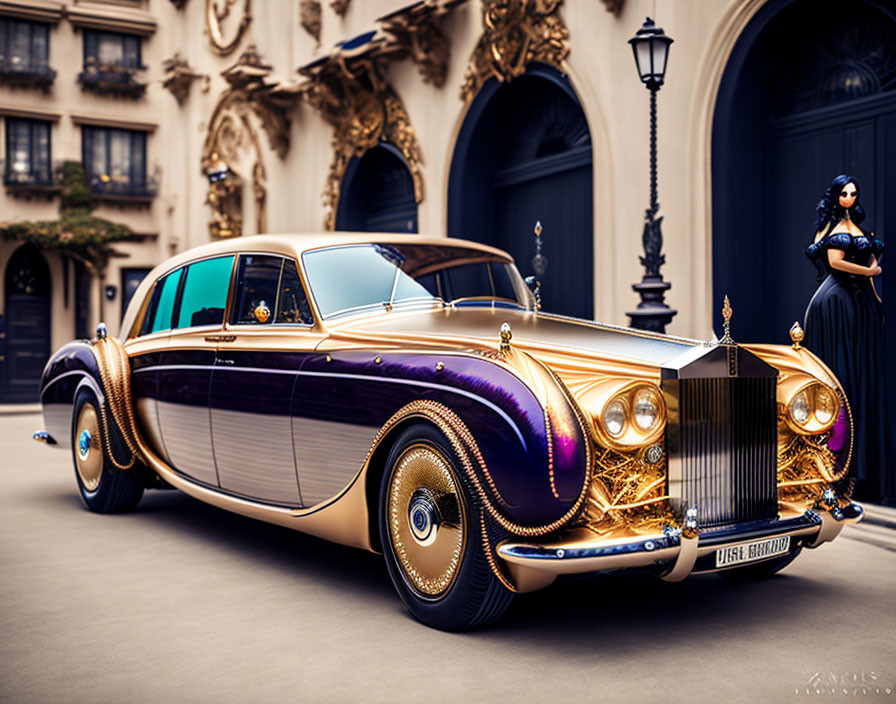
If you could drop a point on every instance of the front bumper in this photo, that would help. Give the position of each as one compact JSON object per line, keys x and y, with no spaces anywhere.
{"x":675,"y":552}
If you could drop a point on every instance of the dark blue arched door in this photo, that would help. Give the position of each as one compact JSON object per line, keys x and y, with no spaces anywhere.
{"x":809,"y":92}
{"x":27,"y":323}
{"x":377,"y":193}
{"x":524,"y":155}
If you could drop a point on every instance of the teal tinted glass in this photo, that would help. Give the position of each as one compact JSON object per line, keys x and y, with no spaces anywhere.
{"x":205,"y":293}
{"x":164,"y":306}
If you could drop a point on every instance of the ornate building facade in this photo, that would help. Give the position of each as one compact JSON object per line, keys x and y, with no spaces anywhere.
{"x":479,"y":118}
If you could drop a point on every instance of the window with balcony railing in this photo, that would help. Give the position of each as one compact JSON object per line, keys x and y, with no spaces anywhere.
{"x":27,"y":161}
{"x":115,"y":162}
{"x":24,"y":53}
{"x":111,"y":63}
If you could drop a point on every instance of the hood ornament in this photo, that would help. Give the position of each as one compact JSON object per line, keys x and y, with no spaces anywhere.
{"x":505,"y":335}
{"x":727,"y":311}
{"x":797,"y":335}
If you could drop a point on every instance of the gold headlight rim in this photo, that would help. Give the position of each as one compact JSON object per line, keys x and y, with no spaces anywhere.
{"x":813,"y":426}
{"x":632,"y":435}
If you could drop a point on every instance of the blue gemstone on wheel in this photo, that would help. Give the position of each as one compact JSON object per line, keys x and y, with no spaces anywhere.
{"x":84,"y":442}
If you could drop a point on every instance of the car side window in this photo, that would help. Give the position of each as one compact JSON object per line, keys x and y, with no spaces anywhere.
{"x":292,"y":304}
{"x":161,"y":308}
{"x":257,"y":283}
{"x":205,"y":292}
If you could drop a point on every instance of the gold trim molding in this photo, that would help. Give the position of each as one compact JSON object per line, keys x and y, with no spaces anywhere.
{"x":363,"y":109}
{"x":218,"y":14}
{"x":515,"y":33}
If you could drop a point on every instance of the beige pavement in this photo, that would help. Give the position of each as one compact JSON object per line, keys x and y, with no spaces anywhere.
{"x":181,"y":602}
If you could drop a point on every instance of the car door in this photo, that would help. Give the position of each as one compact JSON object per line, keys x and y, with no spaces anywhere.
{"x":185,"y":367}
{"x":267,"y":338}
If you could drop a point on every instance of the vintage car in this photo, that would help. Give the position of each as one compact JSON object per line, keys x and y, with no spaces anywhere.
{"x":406,"y":395}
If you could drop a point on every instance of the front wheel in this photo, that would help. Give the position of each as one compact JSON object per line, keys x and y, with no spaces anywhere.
{"x":430,"y":532}
{"x":104,"y":488}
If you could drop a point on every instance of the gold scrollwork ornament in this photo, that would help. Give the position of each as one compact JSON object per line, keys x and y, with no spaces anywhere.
{"x":218,"y":14}
{"x":363,"y":110}
{"x":515,"y":33}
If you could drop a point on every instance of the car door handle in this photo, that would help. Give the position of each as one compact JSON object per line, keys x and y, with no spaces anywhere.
{"x":220,"y":338}
{"x":224,"y":360}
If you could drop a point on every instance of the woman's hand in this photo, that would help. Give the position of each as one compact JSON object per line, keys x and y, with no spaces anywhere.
{"x":837,"y":261}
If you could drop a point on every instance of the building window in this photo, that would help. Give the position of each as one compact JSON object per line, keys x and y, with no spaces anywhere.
{"x":109,"y":48}
{"x":27,"y":153}
{"x":115,"y":161}
{"x":111,"y":62}
{"x":24,"y":53}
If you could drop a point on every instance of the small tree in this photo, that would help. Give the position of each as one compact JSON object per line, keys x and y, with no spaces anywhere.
{"x":76,"y":234}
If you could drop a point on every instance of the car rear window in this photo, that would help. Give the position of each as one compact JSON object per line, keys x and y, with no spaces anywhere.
{"x":162,"y":305}
{"x":205,"y":293}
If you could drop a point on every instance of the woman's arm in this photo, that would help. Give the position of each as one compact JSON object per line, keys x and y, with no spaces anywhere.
{"x":836,"y":260}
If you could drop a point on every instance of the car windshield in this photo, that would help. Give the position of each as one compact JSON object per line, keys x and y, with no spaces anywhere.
{"x":351,"y":278}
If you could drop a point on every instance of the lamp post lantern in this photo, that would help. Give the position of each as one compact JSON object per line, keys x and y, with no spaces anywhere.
{"x":650,"y":46}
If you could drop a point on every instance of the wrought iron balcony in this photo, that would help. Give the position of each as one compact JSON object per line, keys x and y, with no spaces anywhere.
{"x":124,"y":192}
{"x":18,"y":72}
{"x":23,"y":180}
{"x":111,"y":79}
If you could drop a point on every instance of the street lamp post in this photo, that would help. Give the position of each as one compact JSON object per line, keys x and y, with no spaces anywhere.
{"x":651,"y":48}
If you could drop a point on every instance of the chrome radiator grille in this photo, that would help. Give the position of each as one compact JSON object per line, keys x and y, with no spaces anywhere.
{"x":728,"y":448}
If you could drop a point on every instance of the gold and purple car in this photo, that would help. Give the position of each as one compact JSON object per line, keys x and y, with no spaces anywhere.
{"x":405,"y":395}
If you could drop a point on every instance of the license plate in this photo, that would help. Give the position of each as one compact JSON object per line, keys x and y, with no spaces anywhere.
{"x":755,"y":550}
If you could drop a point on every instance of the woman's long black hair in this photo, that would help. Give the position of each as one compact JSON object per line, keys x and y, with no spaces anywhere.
{"x":829,"y":211}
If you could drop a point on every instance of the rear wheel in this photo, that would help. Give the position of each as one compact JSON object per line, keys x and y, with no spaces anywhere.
{"x":104,"y":488}
{"x":429,"y":528}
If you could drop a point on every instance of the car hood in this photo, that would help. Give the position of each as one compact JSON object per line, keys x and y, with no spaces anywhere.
{"x":565,"y":344}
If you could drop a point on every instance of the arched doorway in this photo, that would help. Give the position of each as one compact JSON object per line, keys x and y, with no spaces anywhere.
{"x":524,"y":155}
{"x":27,"y":286}
{"x":378,"y":193}
{"x":809,"y":92}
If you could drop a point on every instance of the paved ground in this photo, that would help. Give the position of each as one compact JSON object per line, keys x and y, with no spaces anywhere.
{"x":179,"y":601}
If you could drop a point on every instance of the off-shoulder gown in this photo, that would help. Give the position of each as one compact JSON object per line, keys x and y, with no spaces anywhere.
{"x":844,"y":326}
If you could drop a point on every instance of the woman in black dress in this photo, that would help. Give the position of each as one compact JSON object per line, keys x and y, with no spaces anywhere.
{"x":844,"y":326}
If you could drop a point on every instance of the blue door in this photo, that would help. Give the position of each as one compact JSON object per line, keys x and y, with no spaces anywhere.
{"x":524,"y":156}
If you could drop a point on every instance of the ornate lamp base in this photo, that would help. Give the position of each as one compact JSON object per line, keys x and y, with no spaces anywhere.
{"x":652,"y":313}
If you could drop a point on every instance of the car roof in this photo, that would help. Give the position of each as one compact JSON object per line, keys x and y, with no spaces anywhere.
{"x":295,"y":244}
{"x":290,"y":245}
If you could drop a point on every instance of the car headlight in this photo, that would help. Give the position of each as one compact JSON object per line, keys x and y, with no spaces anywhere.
{"x":633,"y":416}
{"x":646,"y":405}
{"x":614,"y":417}
{"x":813,"y":408}
{"x":825,"y":405}
{"x":799,"y":408}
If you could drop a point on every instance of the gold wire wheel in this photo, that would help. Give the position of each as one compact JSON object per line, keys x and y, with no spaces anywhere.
{"x":426,"y":520}
{"x":88,"y":450}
